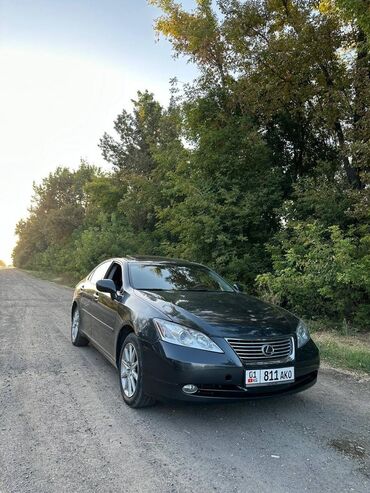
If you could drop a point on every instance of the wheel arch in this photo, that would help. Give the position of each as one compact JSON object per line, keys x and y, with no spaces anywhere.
{"x":123,"y":333}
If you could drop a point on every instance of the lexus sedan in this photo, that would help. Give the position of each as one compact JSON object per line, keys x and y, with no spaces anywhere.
{"x":177,"y":330}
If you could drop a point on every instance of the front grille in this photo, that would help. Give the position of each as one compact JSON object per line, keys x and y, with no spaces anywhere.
{"x":269,"y":350}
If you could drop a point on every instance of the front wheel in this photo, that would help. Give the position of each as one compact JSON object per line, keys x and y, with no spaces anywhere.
{"x":132,"y":374}
{"x":76,"y":337}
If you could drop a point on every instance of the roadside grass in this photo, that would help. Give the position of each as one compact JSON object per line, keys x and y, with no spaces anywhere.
{"x":338,"y":347}
{"x":351,"y":352}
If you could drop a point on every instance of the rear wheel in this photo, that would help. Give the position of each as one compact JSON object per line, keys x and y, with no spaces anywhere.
{"x":76,"y":337}
{"x":131,"y":373}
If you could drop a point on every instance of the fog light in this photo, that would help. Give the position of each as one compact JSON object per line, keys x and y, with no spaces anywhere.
{"x":190,"y":388}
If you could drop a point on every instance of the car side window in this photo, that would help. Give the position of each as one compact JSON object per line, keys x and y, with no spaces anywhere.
{"x":115,"y":273}
{"x":99,"y":272}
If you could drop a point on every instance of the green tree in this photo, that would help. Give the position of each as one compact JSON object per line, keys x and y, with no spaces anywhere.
{"x":137,"y":132}
{"x":357,"y":11}
{"x":222,"y":199}
{"x":300,"y":75}
{"x":146,"y":139}
{"x":57,"y":211}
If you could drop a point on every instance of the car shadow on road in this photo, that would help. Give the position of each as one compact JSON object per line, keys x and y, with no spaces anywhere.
{"x":234,"y":410}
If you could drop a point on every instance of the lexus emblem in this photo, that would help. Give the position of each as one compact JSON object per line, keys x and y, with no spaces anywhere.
{"x":267,"y":350}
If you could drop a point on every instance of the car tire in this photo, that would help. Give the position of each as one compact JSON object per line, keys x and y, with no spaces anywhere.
{"x":77,"y":338}
{"x":131,"y":387}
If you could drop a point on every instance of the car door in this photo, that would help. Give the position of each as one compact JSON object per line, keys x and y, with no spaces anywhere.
{"x":105,"y":312}
{"x":88,"y":296}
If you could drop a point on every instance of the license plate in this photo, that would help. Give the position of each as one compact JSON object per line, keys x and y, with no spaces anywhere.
{"x":269,"y":376}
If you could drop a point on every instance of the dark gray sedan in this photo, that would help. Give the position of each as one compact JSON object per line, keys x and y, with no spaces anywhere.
{"x":177,"y":330}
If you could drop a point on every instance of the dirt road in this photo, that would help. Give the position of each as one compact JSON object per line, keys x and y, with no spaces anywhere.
{"x":64,"y":427}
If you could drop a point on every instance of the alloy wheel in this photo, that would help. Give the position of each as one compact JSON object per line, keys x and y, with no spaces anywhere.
{"x":75,"y":325}
{"x":129,"y":370}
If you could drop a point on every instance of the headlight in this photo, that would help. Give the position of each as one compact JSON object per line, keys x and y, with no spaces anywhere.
{"x":183,"y":336}
{"x":303,"y":334}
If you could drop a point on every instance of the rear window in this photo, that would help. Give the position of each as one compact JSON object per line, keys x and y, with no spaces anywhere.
{"x":174,"y":277}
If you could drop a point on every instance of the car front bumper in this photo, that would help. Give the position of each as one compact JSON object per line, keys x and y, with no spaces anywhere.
{"x":218,"y":376}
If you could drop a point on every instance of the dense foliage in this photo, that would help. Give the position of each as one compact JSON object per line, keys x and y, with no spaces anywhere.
{"x":259,"y":168}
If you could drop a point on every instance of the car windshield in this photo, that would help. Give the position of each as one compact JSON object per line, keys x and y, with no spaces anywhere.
{"x":175,"y":277}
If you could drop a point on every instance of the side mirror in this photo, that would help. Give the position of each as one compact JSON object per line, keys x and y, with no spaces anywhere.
{"x":237,"y":287}
{"x":107,"y":286}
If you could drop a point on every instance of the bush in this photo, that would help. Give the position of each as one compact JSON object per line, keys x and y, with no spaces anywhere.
{"x":320,"y":271}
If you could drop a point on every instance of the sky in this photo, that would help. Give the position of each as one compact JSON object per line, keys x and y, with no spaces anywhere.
{"x":67,"y":69}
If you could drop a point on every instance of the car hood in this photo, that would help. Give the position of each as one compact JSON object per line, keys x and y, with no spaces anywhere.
{"x":223,"y":314}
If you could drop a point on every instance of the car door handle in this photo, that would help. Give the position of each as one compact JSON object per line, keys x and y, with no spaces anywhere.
{"x":96,"y":297}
